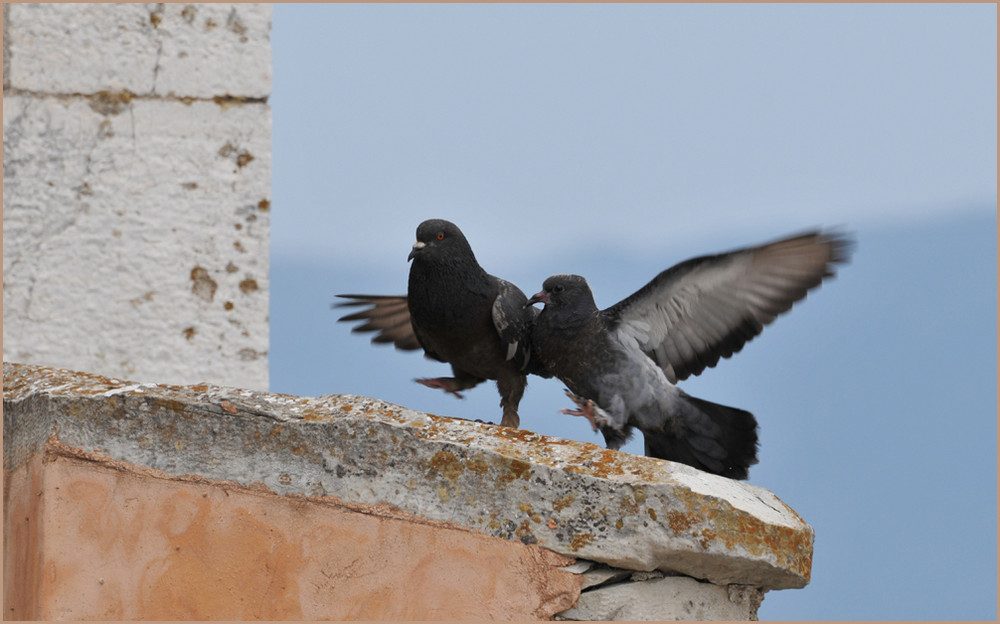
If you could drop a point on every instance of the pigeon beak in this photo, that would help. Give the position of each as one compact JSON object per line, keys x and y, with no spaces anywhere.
{"x":417,"y":246}
{"x":539,"y":297}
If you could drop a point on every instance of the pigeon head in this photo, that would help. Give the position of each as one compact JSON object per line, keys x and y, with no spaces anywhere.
{"x":437,"y":238}
{"x":565,"y":291}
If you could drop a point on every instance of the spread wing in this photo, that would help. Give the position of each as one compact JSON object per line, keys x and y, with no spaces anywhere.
{"x":514,"y":322}
{"x":388,"y":315}
{"x":705,"y":308}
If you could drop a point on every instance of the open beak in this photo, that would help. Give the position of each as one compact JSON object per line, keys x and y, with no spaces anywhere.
{"x":539,"y":297}
{"x":417,"y":246}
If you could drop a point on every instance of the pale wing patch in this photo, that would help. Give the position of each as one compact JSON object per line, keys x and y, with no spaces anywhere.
{"x":707,"y":308}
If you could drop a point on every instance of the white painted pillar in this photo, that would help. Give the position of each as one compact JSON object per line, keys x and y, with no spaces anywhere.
{"x":136,"y":196}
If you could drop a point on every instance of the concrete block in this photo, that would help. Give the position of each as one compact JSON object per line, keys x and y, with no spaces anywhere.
{"x":574,"y":498}
{"x":136,"y":236}
{"x":170,"y":50}
{"x":667,"y":598}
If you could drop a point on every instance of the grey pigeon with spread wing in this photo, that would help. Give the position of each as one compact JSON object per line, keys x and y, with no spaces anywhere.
{"x":457,"y":313}
{"x":621,"y":364}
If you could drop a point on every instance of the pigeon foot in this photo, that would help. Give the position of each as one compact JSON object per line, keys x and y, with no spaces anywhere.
{"x":448,"y":384}
{"x":588,"y":409}
{"x":510,"y":419}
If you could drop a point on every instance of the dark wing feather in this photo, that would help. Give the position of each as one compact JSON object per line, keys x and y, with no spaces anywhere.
{"x":513,"y":322}
{"x":705,"y":308}
{"x":388,"y":315}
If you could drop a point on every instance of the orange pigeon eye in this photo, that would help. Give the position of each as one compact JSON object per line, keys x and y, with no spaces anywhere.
{"x":440,"y":235}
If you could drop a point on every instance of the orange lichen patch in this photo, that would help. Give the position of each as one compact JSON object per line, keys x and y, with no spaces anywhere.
{"x":449,"y":466}
{"x":792,"y":548}
{"x":311,"y":416}
{"x":172,"y":405}
{"x":592,"y":460}
{"x":520,"y":469}
{"x":228,"y":407}
{"x":737,"y":530}
{"x":628,"y":506}
{"x":559,"y":504}
{"x":679,"y":522}
{"x":23,"y":379}
{"x":476,"y":465}
{"x":608,"y":463}
{"x":523,"y":533}
{"x":515,"y":470}
{"x":580,"y":540}
{"x":521,"y":435}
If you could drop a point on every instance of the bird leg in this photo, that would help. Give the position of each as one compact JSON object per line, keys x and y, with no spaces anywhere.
{"x":451,"y":385}
{"x":588,"y":409}
{"x":511,"y":391}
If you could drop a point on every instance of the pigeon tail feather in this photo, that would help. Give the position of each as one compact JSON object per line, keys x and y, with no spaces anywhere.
{"x":728,"y":447}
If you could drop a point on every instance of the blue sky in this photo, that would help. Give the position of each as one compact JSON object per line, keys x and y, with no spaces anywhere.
{"x":616,"y":140}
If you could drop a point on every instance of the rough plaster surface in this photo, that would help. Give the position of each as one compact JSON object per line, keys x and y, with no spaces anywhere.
{"x":174,"y":50}
{"x":118,"y":544}
{"x":574,"y":498}
{"x":137,"y":190}
{"x":135,"y":243}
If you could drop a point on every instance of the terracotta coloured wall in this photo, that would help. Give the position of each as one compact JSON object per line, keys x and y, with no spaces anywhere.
{"x":90,"y":538}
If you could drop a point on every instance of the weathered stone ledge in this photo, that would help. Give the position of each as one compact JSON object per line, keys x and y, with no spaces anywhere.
{"x":573,"y":498}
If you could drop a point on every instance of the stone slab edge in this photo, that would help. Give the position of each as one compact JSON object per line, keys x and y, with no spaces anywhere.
{"x":573,"y":498}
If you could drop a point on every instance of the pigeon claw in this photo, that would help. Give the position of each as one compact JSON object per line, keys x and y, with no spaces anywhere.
{"x":587,"y":409}
{"x":444,"y":383}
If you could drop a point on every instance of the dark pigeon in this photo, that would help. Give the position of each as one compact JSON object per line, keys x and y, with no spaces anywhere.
{"x":621,"y":364}
{"x":457,"y":313}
